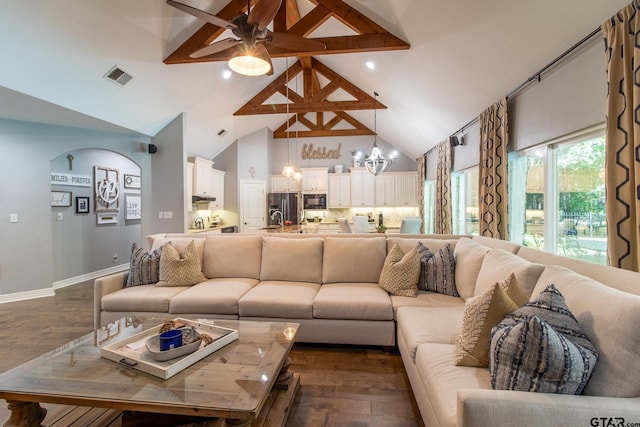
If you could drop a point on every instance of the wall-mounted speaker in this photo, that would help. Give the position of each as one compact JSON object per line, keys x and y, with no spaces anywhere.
{"x":152,"y":148}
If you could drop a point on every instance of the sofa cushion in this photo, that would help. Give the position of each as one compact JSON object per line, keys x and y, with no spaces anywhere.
{"x":610,"y":318}
{"x":406,"y":244}
{"x":498,"y":264}
{"x":438,"y":270}
{"x":353,"y":301}
{"x":353,"y":259}
{"x":180,"y":269}
{"x":144,"y":267}
{"x":442,"y":380}
{"x":425,"y":299}
{"x":215,"y":296}
{"x":295,"y":260}
{"x":141,"y":298}
{"x":481,"y":313}
{"x":279,"y":299}
{"x":180,"y":244}
{"x":540,"y":347}
{"x":420,"y":325}
{"x":400,"y":272}
{"x":232,"y":256}
{"x":468,"y":254}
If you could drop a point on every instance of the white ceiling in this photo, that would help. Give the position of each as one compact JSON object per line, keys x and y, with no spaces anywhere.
{"x":464,"y":56}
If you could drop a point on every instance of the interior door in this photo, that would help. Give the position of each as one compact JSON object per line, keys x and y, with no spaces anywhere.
{"x":253,"y":205}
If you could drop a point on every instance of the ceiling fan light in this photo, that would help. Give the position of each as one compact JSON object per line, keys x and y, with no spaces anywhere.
{"x":249,"y":63}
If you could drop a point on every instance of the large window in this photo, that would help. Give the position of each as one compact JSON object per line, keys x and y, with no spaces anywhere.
{"x":556,"y":198}
{"x":464,"y":201}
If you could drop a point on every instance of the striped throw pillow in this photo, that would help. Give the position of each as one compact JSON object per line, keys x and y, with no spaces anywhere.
{"x":438,"y":270}
{"x":144,"y":267}
{"x":541,"y":347}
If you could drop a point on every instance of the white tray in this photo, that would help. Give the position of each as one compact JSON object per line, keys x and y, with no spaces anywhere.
{"x":133,"y":353}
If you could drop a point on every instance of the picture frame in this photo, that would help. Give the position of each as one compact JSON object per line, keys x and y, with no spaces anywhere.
{"x":82,"y":205}
{"x":133,"y":207}
{"x":104,"y":218}
{"x":132,"y":181}
{"x":61,"y":198}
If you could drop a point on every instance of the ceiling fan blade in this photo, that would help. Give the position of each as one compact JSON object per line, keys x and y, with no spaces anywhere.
{"x":216,"y":47}
{"x":264,"y":53}
{"x":263,"y":13}
{"x":293,"y":42}
{"x":212,"y":19}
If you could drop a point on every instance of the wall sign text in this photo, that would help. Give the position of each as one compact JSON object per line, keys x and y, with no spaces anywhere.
{"x":310,"y":152}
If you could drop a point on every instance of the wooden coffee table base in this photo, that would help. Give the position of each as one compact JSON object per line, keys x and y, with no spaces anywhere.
{"x":275,"y":413}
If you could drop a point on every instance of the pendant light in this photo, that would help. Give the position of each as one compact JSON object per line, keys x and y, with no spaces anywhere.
{"x":376,"y":162}
{"x":288,"y":169}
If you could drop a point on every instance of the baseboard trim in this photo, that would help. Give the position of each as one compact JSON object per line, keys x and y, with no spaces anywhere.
{"x":22,"y":296}
{"x":89,"y":276}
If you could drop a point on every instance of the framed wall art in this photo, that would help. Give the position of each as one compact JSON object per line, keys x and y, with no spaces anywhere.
{"x":107,"y":218}
{"x":106,"y":189}
{"x":131,"y":181}
{"x":82,"y":205}
{"x":133,"y":206}
{"x":61,"y":198}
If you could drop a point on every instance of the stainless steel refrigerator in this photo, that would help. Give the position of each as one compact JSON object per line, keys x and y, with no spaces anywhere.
{"x":288,"y":204}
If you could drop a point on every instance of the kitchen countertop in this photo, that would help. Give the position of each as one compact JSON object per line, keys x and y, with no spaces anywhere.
{"x":285,"y":229}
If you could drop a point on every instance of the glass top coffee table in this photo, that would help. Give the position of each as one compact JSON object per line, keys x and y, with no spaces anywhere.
{"x":236,"y":383}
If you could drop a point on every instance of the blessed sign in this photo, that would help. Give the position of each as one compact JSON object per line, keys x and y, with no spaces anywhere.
{"x":310,"y":152}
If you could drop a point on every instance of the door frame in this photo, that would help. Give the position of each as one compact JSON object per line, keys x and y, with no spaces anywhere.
{"x":242,"y":183}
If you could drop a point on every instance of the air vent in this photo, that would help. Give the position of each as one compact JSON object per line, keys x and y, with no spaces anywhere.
{"x":222,"y":132}
{"x":118,"y":76}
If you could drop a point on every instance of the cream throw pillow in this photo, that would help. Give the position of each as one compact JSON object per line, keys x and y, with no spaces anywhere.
{"x":180,"y":269}
{"x":400,"y":272}
{"x":481,"y":313}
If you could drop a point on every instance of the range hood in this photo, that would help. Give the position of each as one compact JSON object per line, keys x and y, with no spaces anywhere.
{"x":196,"y":199}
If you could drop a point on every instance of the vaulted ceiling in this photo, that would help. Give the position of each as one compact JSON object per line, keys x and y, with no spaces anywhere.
{"x":464,"y":55}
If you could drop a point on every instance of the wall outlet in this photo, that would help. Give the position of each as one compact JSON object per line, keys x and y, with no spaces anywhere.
{"x":13,"y":217}
{"x":59,"y":216}
{"x":115,"y":258}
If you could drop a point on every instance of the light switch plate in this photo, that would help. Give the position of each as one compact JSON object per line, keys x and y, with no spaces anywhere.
{"x":13,"y":217}
{"x":168,"y":215}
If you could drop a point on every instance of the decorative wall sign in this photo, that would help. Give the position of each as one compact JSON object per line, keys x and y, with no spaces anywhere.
{"x":310,"y":152}
{"x":107,"y":218}
{"x":106,"y":189}
{"x":82,"y":205}
{"x":133,"y":206}
{"x":68,"y":179}
{"x":131,"y":181}
{"x":61,"y":198}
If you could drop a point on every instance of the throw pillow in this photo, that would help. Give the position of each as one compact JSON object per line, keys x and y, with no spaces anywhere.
{"x":144,"y":267}
{"x":541,"y":347}
{"x":400,"y":272}
{"x":180,"y":269}
{"x":438,"y":271}
{"x":424,"y":253}
{"x":481,"y":313}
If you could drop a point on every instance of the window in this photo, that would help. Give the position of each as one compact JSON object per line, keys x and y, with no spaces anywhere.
{"x":557,"y":197}
{"x":429,"y":206}
{"x":464,"y":201}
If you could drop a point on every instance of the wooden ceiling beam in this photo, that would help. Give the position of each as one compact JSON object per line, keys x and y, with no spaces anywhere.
{"x":321,"y":133}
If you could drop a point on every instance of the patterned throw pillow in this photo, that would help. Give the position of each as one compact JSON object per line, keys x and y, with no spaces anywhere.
{"x":400,"y":272}
{"x":424,"y":253}
{"x":180,"y":269}
{"x":438,"y":270}
{"x":144,"y":267}
{"x":481,"y":313}
{"x":540,"y":347}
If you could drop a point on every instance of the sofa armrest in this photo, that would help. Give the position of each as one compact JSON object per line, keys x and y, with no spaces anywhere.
{"x":103,"y":286}
{"x":495,"y":408}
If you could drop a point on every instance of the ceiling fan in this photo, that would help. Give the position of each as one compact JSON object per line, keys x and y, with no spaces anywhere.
{"x":251,"y":56}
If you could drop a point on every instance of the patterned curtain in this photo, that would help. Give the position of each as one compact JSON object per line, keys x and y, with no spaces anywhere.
{"x":422,"y":177}
{"x":442,"y":221}
{"x":622,"y":152}
{"x":492,"y":195}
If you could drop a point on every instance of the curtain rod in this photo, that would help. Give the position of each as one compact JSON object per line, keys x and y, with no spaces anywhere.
{"x":538,"y":76}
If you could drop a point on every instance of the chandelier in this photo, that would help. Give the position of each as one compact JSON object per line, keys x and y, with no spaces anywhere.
{"x":376,"y":162}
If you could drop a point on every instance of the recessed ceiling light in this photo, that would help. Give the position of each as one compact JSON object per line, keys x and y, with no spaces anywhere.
{"x":370,"y":65}
{"x":226,"y":74}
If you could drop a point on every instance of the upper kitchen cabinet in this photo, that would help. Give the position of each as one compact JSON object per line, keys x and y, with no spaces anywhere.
{"x":208,"y":182}
{"x":282,"y":184}
{"x":339,"y":190}
{"x":406,"y":189}
{"x":315,"y":180}
{"x":362,"y":188}
{"x":385,"y":186}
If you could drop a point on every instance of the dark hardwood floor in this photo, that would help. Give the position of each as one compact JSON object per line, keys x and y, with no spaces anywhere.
{"x":340,"y":385}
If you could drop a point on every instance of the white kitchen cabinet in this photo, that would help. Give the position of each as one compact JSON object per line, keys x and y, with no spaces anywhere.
{"x":282,"y":184}
{"x":362,"y":188}
{"x":406,"y":189}
{"x":339,"y":190}
{"x":217,"y":179}
{"x":208,"y":182}
{"x":315,"y":180}
{"x":385,"y":187}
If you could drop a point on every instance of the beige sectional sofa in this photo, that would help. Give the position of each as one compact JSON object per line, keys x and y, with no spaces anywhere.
{"x":329,"y":284}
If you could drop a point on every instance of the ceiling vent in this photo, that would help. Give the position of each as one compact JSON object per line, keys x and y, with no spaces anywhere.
{"x":222,"y":132}
{"x":118,"y":76}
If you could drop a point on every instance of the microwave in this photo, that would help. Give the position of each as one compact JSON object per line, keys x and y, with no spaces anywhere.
{"x":314,"y":201}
